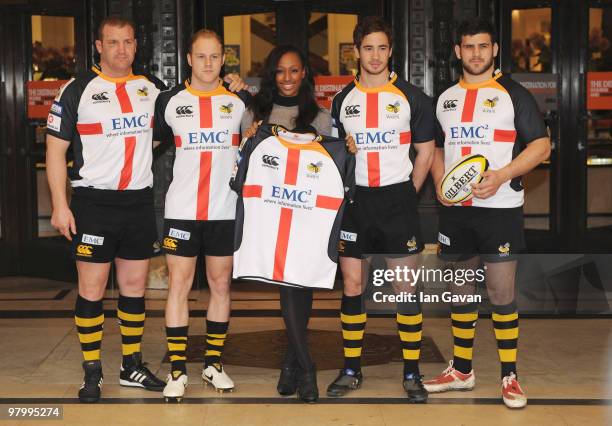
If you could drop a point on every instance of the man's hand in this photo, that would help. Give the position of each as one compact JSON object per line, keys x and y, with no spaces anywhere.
{"x":252,"y":130}
{"x":236,"y":83}
{"x":350,"y":144}
{"x":492,"y":180}
{"x":63,"y":220}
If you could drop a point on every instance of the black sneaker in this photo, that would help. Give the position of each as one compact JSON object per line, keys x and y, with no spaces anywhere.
{"x":413,"y":385}
{"x":92,"y":382}
{"x":136,"y":374}
{"x":346,"y":381}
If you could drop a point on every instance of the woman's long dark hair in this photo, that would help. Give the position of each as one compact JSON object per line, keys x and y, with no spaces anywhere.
{"x":263,"y":100}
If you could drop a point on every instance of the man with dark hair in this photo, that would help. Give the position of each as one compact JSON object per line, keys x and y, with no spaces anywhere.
{"x":104,"y":115}
{"x":486,"y":113}
{"x":386,"y":115}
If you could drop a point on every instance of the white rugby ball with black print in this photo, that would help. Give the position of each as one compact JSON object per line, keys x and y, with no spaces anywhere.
{"x":456,"y":186}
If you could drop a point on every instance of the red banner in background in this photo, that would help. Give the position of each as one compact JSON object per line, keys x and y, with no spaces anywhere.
{"x":41,"y":95}
{"x":599,"y":90}
{"x":326,"y":86}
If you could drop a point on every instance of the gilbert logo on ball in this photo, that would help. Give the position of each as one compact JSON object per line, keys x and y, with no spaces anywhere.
{"x":457,"y":183}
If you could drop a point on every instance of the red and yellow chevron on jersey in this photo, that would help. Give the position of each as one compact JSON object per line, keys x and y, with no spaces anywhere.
{"x":205,"y":127}
{"x":384,"y":122}
{"x":292,"y":190}
{"x":108,"y":122}
{"x":496,"y":119}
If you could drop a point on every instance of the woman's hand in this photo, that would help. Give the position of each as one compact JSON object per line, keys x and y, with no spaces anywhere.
{"x":236,"y":83}
{"x":252,"y":130}
{"x":350,"y":144}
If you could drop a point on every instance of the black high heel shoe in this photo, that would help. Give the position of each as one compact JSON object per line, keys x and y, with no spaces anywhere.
{"x":307,"y":390}
{"x":287,"y":382}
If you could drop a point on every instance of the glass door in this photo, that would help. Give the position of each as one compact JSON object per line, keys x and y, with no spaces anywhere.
{"x":598,"y":146}
{"x":529,"y":54}
{"x":323,"y":29}
{"x":55,"y":46}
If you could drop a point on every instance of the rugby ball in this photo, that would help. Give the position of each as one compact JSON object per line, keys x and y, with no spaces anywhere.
{"x":457,"y":183}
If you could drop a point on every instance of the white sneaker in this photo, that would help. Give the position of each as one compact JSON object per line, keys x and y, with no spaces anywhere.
{"x":216,"y":376}
{"x":512,"y":393}
{"x":175,"y":387}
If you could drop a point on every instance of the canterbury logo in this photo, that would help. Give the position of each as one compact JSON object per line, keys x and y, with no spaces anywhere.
{"x":490,"y":103}
{"x":100,"y":96}
{"x":352,"y":109}
{"x":84,"y":250}
{"x":184,"y":110}
{"x":451,"y":103}
{"x":170,"y":243}
{"x":394,"y":108}
{"x":142,"y":91}
{"x":227,"y":108}
{"x":270,"y":160}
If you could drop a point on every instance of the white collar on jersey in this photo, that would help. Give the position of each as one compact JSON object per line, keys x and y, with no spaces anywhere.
{"x":293,"y":137}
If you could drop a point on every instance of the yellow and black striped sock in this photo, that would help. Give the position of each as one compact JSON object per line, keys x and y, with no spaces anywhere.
{"x":89,"y":319}
{"x":131,"y":317}
{"x":177,"y":349}
{"x":353,"y":318}
{"x":505,"y":324}
{"x":409,"y":326}
{"x":216,"y":333}
{"x":463,"y":319}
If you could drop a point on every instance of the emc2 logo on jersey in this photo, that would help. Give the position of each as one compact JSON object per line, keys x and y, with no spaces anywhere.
{"x":291,"y":194}
{"x":210,"y":137}
{"x":131,"y":122}
{"x":365,"y":138}
{"x":469,"y":132}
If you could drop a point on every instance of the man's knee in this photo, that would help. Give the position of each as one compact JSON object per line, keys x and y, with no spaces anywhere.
{"x":219,"y":285}
{"x":352,"y":285}
{"x":92,"y":280}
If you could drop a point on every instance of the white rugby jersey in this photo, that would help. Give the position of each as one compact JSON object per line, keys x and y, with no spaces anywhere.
{"x":384,"y":122}
{"x":496,"y":118}
{"x":292,"y":189}
{"x":108,"y":122}
{"x":205,"y":127}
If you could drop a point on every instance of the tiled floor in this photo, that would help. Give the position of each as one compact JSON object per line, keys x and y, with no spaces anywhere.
{"x":565,"y":367}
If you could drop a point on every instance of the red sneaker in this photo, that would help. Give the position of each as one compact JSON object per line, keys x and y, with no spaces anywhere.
{"x":512,"y":394}
{"x":451,"y":379}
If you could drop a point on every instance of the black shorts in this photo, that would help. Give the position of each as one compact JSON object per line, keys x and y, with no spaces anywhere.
{"x":381,"y":220}
{"x":113,"y":224}
{"x":189,"y":238}
{"x":497,"y":235}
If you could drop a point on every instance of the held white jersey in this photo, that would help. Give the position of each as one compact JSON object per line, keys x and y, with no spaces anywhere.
{"x":384,"y":122}
{"x":108,"y":122}
{"x":205,"y":127}
{"x":292,"y":190}
{"x":496,"y":118}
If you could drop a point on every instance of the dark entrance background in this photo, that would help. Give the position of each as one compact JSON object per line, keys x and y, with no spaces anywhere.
{"x":568,"y":208}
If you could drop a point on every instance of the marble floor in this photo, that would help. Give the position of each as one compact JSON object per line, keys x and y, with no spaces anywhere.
{"x":565,"y":367}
